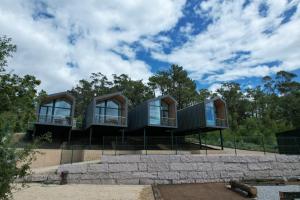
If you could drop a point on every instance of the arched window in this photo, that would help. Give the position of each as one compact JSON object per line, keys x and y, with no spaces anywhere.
{"x":108,"y":111}
{"x":56,"y":111}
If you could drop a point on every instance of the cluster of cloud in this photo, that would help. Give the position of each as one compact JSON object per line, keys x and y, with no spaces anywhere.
{"x":61,"y":42}
{"x":245,"y":39}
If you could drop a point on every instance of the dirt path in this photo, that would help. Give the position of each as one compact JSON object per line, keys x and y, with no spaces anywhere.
{"x":85,"y":192}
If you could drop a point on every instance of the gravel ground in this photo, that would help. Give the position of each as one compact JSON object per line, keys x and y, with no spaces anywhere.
{"x":272,"y":192}
{"x":84,"y":192}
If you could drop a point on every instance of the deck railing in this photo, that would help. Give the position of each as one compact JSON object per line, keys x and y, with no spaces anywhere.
{"x":221,"y":122}
{"x":110,"y":120}
{"x":54,"y":119}
{"x":163,"y":121}
{"x":166,"y":121}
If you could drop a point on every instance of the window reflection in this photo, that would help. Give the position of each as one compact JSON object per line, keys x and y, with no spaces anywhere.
{"x":159,"y":112}
{"x":108,"y":111}
{"x":210,"y":114}
{"x":56,"y":111}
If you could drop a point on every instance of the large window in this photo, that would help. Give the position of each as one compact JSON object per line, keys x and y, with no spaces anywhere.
{"x":159,"y":112}
{"x":108,"y":111}
{"x":57,"y":111}
{"x":155,"y":112}
{"x":210,"y":114}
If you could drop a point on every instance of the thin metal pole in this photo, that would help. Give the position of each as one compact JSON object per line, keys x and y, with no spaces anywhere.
{"x":145,"y":147}
{"x":176,"y":137}
{"x":102,"y":145}
{"x":263,"y":143}
{"x":205,"y":145}
{"x":69,"y":138}
{"x":172,"y":143}
{"x":234,"y":141}
{"x":91,"y":136}
{"x":221,"y":139}
{"x":34,"y":132}
{"x":61,"y":154}
{"x":200,"y":144}
{"x":144,"y":139}
{"x":122,"y":136}
{"x":116,"y":145}
{"x":72,"y":156}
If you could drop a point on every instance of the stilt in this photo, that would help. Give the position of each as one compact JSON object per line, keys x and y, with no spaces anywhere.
{"x":33,"y":133}
{"x":91,"y":132}
{"x":144,"y":138}
{"x":122,"y":136}
{"x":69,"y":137}
{"x":200,"y":142}
{"x":172,"y":138}
{"x":221,"y":139}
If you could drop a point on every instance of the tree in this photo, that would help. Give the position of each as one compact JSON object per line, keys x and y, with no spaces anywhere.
{"x":206,"y":94}
{"x":136,"y":91}
{"x":17,"y":100}
{"x":176,"y":83}
{"x":6,"y":50}
{"x":86,"y":90}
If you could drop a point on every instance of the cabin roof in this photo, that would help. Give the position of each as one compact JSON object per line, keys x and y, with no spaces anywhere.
{"x":206,"y":101}
{"x":163,"y":97}
{"x":60,"y":95}
{"x":110,"y":96}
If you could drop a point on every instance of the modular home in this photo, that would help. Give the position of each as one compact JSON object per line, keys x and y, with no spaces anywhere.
{"x":203,"y":117}
{"x":158,"y":113}
{"x":55,"y":114}
{"x":106,"y":115}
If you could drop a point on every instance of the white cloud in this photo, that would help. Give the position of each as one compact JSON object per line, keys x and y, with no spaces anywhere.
{"x":235,"y":29}
{"x":214,"y":87}
{"x":98,"y":30}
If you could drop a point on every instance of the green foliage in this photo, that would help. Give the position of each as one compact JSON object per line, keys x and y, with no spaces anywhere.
{"x":176,"y":83}
{"x":17,"y":102}
{"x":135,"y":90}
{"x":6,"y":50}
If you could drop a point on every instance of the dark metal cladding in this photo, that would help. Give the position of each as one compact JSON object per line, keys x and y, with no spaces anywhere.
{"x":139,"y":117}
{"x":117,"y":121}
{"x":193,"y":118}
{"x":57,"y":96}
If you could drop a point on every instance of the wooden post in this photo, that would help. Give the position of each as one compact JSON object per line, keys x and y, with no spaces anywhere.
{"x":221,"y":138}
{"x":252,"y":191}
{"x":91,"y":132}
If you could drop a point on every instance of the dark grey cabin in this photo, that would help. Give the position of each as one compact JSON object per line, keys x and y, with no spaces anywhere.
{"x":56,"y":109}
{"x":107,"y":110}
{"x":55,"y":114}
{"x":160,"y":112}
{"x":106,"y":116}
{"x":206,"y":116}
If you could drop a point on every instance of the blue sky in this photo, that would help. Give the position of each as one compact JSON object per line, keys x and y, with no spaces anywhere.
{"x":215,"y":41}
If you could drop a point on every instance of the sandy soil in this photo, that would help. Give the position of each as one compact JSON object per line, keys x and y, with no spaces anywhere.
{"x":85,"y":192}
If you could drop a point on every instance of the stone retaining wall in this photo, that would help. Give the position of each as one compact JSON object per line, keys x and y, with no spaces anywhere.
{"x":165,"y":169}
